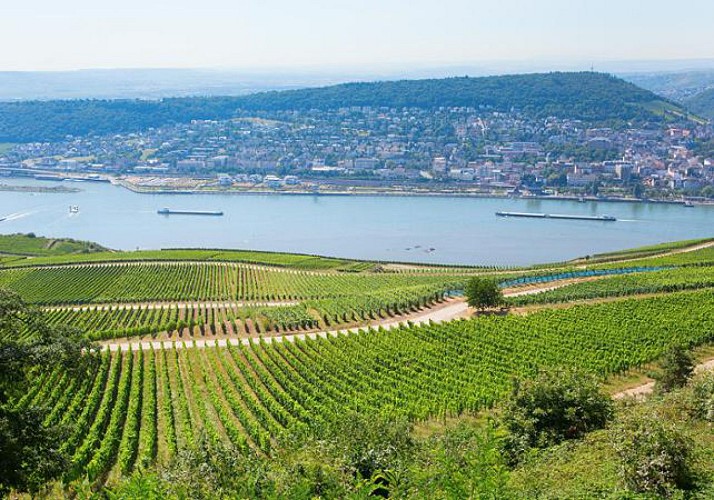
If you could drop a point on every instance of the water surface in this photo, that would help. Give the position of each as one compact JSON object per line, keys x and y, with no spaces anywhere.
{"x":459,"y":230}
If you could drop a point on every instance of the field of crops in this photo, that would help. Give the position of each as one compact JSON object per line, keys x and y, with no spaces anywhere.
{"x":297,"y":261}
{"x":646,"y":251}
{"x":704,"y":256}
{"x":173,"y":281}
{"x":30,"y":245}
{"x":670,"y":280}
{"x":137,"y":408}
{"x":216,"y":320}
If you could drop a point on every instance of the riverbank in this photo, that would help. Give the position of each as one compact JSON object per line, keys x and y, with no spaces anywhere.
{"x":392,"y":191}
{"x":38,"y":189}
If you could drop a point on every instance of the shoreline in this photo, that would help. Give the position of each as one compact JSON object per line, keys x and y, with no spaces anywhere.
{"x":399,"y":193}
{"x":38,"y":189}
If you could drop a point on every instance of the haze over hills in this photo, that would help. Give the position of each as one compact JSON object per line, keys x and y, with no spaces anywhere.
{"x":156,"y":83}
{"x":678,"y":86}
{"x":593,"y":97}
{"x":702,"y":103}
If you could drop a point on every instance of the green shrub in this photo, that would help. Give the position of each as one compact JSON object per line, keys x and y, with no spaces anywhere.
{"x":702,"y":397}
{"x":653,"y":454}
{"x":554,"y":407}
{"x":675,"y":370}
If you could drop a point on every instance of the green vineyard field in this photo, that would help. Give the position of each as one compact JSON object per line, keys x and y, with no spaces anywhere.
{"x":671,"y":280}
{"x":174,"y":281}
{"x":137,"y":408}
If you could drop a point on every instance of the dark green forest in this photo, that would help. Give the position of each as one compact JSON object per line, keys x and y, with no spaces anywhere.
{"x":592,"y":97}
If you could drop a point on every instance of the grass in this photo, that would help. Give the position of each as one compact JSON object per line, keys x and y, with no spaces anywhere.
{"x":6,"y":147}
{"x":588,"y":468}
{"x":30,"y":245}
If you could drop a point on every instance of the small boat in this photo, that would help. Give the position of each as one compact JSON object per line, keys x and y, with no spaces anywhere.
{"x":688,"y":204}
{"x":74,"y":209}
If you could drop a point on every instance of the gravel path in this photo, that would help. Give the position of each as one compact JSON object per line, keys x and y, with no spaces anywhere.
{"x":644,"y":390}
{"x":454,"y":309}
{"x":448,"y":311}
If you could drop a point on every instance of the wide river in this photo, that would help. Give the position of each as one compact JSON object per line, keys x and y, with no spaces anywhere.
{"x":418,"y":229}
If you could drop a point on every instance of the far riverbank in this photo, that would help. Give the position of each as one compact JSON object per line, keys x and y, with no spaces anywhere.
{"x":447,"y":193}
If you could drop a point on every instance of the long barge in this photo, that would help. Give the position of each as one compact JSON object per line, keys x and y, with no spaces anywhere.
{"x":602,"y":218}
{"x":168,"y":211}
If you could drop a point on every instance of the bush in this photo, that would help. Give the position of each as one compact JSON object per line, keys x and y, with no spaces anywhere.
{"x":675,"y":370}
{"x":463,"y":462}
{"x":702,"y":398}
{"x":554,"y":407}
{"x":652,"y":453}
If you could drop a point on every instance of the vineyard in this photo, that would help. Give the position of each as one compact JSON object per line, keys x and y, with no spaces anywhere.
{"x":138,"y":408}
{"x":663,"y":281}
{"x":187,"y":299}
{"x":172,"y":281}
{"x":216,"y":320}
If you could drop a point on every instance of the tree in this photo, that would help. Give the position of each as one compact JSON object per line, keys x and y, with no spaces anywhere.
{"x":675,"y":370}
{"x":29,"y":451}
{"x":553,"y":407}
{"x":638,"y":190}
{"x":483,"y":293}
{"x":653,"y":453}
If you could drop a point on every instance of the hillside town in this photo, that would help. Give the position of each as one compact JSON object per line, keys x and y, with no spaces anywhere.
{"x":369,"y":149}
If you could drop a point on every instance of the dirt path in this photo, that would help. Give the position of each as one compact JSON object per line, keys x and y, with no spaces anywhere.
{"x":532,"y":289}
{"x":446,"y":311}
{"x":646,"y":389}
{"x":693,"y":248}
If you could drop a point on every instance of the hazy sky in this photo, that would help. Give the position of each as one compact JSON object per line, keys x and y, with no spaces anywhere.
{"x":71,"y":34}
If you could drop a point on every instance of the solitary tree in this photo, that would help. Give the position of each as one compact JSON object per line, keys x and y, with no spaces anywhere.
{"x":483,"y":293}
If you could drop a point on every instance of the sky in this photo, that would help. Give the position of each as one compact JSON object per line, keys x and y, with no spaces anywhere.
{"x":263,"y":34}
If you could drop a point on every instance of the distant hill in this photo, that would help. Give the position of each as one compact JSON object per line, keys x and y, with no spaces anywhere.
{"x":677,"y":86}
{"x":595,"y":98}
{"x":702,"y":104}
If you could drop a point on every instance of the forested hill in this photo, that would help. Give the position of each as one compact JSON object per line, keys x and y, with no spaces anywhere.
{"x":592,"y":97}
{"x":702,"y":104}
{"x":587,"y":96}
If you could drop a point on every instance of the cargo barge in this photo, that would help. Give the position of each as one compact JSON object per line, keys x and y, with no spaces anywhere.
{"x":605,"y":218}
{"x":168,"y":211}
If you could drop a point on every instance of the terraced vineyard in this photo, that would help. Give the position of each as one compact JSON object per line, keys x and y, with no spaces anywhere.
{"x":186,"y":320}
{"x":189,"y":299}
{"x":137,"y":408}
{"x":171,"y":281}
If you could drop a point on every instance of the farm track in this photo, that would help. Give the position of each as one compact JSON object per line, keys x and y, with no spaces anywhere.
{"x":678,"y":251}
{"x":643,"y":390}
{"x":446,"y":311}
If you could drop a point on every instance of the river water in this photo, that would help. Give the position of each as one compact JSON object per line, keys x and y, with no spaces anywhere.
{"x":415,"y":229}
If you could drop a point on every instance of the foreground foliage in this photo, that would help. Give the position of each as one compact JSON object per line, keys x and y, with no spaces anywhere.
{"x":554,"y":407}
{"x":30,"y":451}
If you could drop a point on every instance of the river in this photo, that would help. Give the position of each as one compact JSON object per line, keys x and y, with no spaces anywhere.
{"x":415,"y":229}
